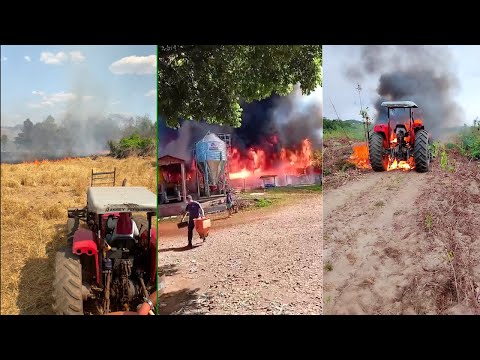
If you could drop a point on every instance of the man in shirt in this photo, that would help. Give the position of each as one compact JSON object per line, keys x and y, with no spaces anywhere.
{"x":193,"y":210}
{"x":229,"y":202}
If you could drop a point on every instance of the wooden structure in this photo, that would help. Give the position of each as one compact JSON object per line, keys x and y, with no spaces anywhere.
{"x":167,"y":161}
{"x":106,"y":178}
{"x":266,"y":177}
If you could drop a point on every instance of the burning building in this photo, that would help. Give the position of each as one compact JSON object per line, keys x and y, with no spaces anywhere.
{"x":277,"y":137}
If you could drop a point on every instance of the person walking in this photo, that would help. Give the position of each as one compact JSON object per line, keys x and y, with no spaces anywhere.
{"x":193,"y":211}
{"x":229,"y":202}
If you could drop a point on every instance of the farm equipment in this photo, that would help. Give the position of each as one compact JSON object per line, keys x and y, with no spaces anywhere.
{"x":407,"y":142}
{"x":109,"y":263}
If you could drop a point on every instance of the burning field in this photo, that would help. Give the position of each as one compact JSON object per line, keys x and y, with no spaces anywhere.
{"x":34,"y":202}
{"x":402,"y":241}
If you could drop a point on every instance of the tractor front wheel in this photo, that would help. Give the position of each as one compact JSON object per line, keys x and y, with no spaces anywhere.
{"x":421,"y":151}
{"x":378,"y":158}
{"x":67,"y":284}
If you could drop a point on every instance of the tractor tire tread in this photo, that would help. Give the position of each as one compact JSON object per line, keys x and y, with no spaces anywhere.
{"x":375,"y":152}
{"x":420,"y":151}
{"x":67,"y":284}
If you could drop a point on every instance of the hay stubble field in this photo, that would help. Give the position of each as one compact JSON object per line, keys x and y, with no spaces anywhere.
{"x":34,"y":202}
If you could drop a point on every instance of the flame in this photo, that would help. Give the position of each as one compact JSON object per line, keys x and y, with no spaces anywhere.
{"x":401,"y":165}
{"x":255,"y":162}
{"x":258,"y":162}
{"x":242,"y":174}
{"x":360,"y":156}
{"x":360,"y":159}
{"x":46,"y":161}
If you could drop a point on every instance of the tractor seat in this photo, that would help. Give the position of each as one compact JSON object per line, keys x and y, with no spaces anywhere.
{"x":125,"y":227}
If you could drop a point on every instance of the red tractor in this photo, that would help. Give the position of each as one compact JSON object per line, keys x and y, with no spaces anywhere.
{"x":109,"y":263}
{"x":405,"y":142}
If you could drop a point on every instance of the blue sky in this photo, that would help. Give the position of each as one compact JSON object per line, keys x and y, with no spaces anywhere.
{"x":40,"y":80}
{"x":340,"y":90}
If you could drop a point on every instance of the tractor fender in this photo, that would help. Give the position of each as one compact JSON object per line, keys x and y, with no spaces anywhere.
{"x":84,"y":243}
{"x":382,"y":129}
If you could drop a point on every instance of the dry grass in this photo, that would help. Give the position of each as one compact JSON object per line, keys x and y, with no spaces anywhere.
{"x":34,"y":202}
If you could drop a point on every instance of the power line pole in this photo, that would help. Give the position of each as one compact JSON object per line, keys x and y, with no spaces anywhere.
{"x":364,"y":114}
{"x":338,"y":117}
{"x":359,"y":88}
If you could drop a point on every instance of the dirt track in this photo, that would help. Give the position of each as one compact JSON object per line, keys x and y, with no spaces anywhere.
{"x":271,"y":264}
{"x":387,"y":237}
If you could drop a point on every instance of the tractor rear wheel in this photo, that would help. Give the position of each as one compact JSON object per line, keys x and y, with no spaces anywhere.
{"x":67,"y":284}
{"x":421,"y":151}
{"x":378,"y":158}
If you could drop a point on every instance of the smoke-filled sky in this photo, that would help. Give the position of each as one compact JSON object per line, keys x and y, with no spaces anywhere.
{"x":292,"y":118}
{"x":445,"y":77}
{"x":37,"y":81}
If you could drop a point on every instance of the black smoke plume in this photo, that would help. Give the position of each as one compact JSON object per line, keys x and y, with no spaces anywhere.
{"x":289,"y":119}
{"x":422,"y":74}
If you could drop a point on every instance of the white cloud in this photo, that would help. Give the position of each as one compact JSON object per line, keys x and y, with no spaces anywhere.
{"x":50,"y":100}
{"x":27,"y":58}
{"x":152,"y":92}
{"x":138,"y":65}
{"x":61,"y":57}
{"x":76,"y":57}
{"x":116,"y":102}
{"x":53,"y":59}
{"x":87,"y":97}
{"x":3,"y":59}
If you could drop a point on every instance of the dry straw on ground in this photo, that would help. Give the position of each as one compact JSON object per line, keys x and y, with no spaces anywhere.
{"x":34,"y":203}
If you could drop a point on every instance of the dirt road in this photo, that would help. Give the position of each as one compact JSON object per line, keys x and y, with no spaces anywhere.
{"x":270,"y":264}
{"x":403,"y":243}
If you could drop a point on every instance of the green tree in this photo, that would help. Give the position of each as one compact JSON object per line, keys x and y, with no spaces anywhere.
{"x":208,"y":82}
{"x":25,"y":137}
{"x":4,"y":139}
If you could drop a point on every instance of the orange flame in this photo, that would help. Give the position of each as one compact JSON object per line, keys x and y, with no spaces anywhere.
{"x":360,"y":156}
{"x":256,"y":162}
{"x":242,"y":174}
{"x":46,"y":161}
{"x":401,"y":165}
{"x":360,"y":159}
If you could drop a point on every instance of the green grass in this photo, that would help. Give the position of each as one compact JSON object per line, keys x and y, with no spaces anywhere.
{"x":328,"y":266}
{"x":296,"y":189}
{"x":469,"y":142}
{"x":379,"y":204}
{"x":335,"y":129}
{"x":443,"y":159}
{"x":435,"y":148}
{"x":445,"y":164}
{"x":262,"y":203}
{"x":428,"y":221}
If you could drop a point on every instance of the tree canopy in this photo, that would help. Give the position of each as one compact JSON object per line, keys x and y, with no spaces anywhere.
{"x":4,"y":140}
{"x":77,"y":137}
{"x":208,"y":82}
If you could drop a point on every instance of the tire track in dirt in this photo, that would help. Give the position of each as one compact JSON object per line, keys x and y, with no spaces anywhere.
{"x":372,"y":243}
{"x":270,"y":265}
